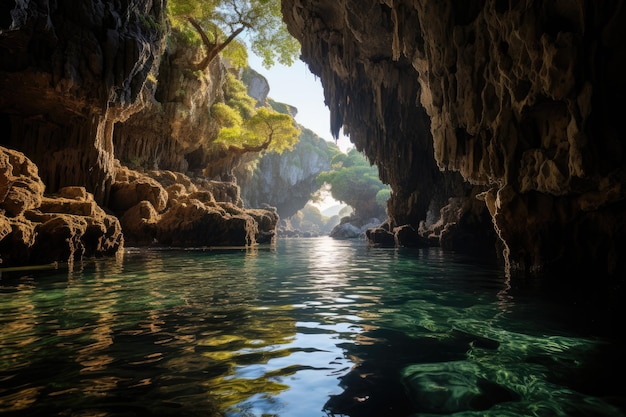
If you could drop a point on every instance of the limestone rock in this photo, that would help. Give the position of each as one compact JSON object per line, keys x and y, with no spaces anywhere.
{"x":90,"y":70}
{"x":257,"y":85}
{"x":17,"y":242}
{"x":286,"y":181}
{"x":522,"y":99}
{"x":406,"y":235}
{"x":21,"y":188}
{"x":47,"y":228}
{"x":345,"y":231}
{"x":125,"y":195}
{"x":379,"y":236}
{"x":164,"y":208}
{"x":194,"y":224}
{"x":267,"y":220}
{"x":139,"y":224}
{"x":177,"y":113}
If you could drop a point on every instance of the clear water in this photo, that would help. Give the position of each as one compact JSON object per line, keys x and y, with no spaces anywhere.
{"x":309,"y":327}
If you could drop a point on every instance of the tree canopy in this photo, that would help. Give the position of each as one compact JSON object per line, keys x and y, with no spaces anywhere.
{"x":219,"y":22}
{"x":245,"y":128}
{"x":354,"y":181}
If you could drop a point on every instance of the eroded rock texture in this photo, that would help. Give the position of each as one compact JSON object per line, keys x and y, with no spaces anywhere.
{"x":69,"y":70}
{"x":85,"y":84}
{"x":38,"y":229}
{"x":523,"y":99}
{"x":166,"y":208}
{"x":174,"y":130}
{"x":286,"y":181}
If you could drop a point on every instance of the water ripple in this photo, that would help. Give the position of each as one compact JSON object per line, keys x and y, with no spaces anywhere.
{"x":311,"y":328}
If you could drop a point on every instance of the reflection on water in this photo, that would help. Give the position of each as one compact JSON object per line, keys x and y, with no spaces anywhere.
{"x":311,"y":327}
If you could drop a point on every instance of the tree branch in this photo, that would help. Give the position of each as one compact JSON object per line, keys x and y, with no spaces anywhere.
{"x":240,"y":150}
{"x":213,"y":49}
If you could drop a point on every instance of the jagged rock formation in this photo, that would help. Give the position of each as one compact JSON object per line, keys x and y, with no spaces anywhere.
{"x":286,"y":181}
{"x":85,"y":84}
{"x":257,"y":85}
{"x":173,"y":131}
{"x":68,"y":72}
{"x":522,"y":99}
{"x":166,"y":208}
{"x":39,"y":229}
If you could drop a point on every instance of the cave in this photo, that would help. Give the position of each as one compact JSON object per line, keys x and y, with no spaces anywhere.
{"x":140,"y":269}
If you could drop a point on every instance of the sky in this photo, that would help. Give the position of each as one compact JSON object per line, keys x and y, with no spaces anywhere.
{"x":297,"y":86}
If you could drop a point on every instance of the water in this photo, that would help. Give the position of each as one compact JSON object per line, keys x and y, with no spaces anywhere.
{"x":310,"y":327}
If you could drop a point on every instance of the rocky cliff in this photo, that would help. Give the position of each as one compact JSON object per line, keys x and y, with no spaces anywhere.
{"x":521,"y":101}
{"x":286,"y":181}
{"x":85,"y":85}
{"x":69,"y":71}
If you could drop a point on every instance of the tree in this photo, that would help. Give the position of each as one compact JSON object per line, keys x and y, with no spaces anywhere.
{"x":354,"y":181}
{"x":245,"y":128}
{"x":219,"y":22}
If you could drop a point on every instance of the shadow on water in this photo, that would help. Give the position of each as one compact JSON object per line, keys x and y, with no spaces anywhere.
{"x":374,"y":386}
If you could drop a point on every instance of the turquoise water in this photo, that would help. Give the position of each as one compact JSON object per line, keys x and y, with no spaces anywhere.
{"x":308,"y":327}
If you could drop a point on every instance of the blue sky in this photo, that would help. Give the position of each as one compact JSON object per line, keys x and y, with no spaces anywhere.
{"x":297,"y":86}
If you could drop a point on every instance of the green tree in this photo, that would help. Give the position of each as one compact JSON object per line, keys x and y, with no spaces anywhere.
{"x":245,"y":128}
{"x":220,"y":22}
{"x":354,"y":181}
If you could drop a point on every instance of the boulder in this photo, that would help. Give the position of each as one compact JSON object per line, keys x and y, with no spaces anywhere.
{"x":37,"y":228}
{"x":125,"y":195}
{"x":194,"y":224}
{"x":345,"y":231}
{"x":139,"y":224}
{"x":20,"y":186}
{"x":381,"y":237}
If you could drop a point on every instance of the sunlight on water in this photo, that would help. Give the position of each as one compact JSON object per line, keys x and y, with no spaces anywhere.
{"x":311,"y":327}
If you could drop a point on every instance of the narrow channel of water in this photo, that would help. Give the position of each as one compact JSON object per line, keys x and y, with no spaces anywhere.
{"x":309,"y":327}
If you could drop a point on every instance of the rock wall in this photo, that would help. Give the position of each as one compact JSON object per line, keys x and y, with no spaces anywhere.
{"x":41,"y":229}
{"x":523,"y":99}
{"x":286,"y":181}
{"x":166,"y":208}
{"x":87,"y":83}
{"x":69,"y":70}
{"x":174,"y":130}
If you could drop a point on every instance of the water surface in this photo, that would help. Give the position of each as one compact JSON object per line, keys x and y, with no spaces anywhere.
{"x":308,"y":327}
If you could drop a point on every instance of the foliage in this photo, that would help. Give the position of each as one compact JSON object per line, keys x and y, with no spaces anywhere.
{"x":236,"y":96}
{"x":382,"y":196}
{"x":226,"y":116}
{"x":277,"y":127}
{"x":355,"y":181}
{"x":247,"y":129}
{"x":313,"y":214}
{"x":219,"y":22}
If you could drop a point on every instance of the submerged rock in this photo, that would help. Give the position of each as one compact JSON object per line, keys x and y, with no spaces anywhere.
{"x":452,"y":387}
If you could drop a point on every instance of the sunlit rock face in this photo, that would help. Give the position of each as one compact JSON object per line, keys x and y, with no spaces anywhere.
{"x":86,"y":84}
{"x":166,"y":208}
{"x":38,"y":228}
{"x":68,"y":72}
{"x":286,"y":181}
{"x":174,"y":130}
{"x":522,"y":99}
